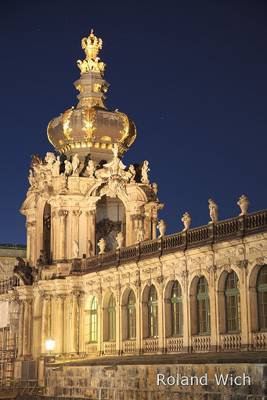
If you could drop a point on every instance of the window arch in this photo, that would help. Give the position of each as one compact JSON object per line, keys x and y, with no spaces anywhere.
{"x":203,"y":307}
{"x":176,"y":310}
{"x":152,"y":306}
{"x":232,"y":303}
{"x":131,"y":316}
{"x":93,"y":321}
{"x":262,"y":298}
{"x":111,"y":318}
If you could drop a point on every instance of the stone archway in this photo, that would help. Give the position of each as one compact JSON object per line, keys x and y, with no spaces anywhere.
{"x":110,"y":220}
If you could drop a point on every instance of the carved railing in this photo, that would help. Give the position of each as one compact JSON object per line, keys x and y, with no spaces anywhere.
{"x":129,"y":346}
{"x":259,"y":341}
{"x":109,"y":348}
{"x":174,"y":345}
{"x":8,"y":284}
{"x":201,"y":343}
{"x":211,"y":233}
{"x":230,"y":342}
{"x":150,"y":345}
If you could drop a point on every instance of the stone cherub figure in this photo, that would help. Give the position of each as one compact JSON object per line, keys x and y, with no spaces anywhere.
{"x":144,"y":172}
{"x":31,"y":178}
{"x":102,"y":245}
{"x":90,"y":169}
{"x":75,"y":164}
{"x":119,"y":240}
{"x":213,"y":207}
{"x":56,"y":167}
{"x":162,"y":228}
{"x":131,"y":173}
{"x":186,"y":220}
{"x":140,"y":235}
{"x":50,"y":158}
{"x":68,"y":168}
{"x":243,"y":203}
{"x":75,"y":249}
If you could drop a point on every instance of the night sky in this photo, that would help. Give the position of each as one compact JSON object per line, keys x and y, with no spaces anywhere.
{"x":191,"y":74}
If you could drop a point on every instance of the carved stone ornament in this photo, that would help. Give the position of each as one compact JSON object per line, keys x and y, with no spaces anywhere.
{"x":213,"y":207}
{"x":186,"y":220}
{"x":162,"y":228}
{"x":102,"y":245}
{"x":243,"y":203}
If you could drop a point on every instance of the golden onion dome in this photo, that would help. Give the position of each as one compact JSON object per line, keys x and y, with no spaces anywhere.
{"x":89,"y":128}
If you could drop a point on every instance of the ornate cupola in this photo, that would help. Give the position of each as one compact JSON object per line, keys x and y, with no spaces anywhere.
{"x":90,"y":128}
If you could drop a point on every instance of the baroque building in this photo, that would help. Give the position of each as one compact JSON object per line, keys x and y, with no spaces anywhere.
{"x":102,"y":304}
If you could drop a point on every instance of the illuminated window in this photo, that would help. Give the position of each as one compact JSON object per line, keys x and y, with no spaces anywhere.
{"x":93,"y":321}
{"x":111,"y":319}
{"x":131,"y":316}
{"x":232,"y":303}
{"x":203,"y":307}
{"x":176,"y":310}
{"x":262,"y":298}
{"x":152,"y":312}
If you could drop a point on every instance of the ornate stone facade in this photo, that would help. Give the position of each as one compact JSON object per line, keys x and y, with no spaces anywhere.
{"x":99,"y":287}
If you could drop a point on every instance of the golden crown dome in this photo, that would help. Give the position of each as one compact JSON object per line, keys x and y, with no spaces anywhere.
{"x":90,"y":127}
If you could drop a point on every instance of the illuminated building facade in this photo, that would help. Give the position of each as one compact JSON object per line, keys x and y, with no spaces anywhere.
{"x":102,"y":304}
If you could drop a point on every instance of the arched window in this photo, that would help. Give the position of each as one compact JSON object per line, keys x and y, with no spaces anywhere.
{"x":262,"y":298}
{"x":232,"y":303}
{"x":93,"y":321}
{"x":152,"y":305}
{"x":111,"y":319}
{"x":203,"y":307}
{"x":176,"y":309}
{"x":131,"y":316}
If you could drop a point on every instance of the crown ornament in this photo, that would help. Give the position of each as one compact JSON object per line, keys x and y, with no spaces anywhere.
{"x":92,"y":63}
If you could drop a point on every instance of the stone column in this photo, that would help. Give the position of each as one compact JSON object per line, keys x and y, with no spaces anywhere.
{"x":21,"y":331}
{"x":44,"y":324}
{"x":75,"y":224}
{"x":27,"y":328}
{"x":138,"y":314}
{"x":91,"y":223}
{"x":186,"y":311}
{"x":75,"y":321}
{"x":53,"y":236}
{"x":62,"y":233}
{"x":118,"y":320}
{"x":244,"y":300}
{"x":81,"y":323}
{"x":161,"y":324}
{"x":100,"y":324}
{"x":59,"y":315}
{"x":213,"y":312}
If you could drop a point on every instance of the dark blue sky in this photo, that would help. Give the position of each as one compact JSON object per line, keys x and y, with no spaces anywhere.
{"x":191,"y":74}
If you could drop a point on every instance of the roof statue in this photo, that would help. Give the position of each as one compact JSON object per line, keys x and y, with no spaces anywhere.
{"x":91,"y":46}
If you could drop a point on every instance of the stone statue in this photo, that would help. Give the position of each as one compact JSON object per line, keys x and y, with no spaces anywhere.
{"x":186,"y":220}
{"x":116,"y":166}
{"x":68,"y":168}
{"x":155,"y":188}
{"x":132,"y":173}
{"x":75,"y":164}
{"x":162,"y":228}
{"x":213,"y":211}
{"x":31,"y":178}
{"x":90,"y":169}
{"x":144,"y":172}
{"x":243,"y":203}
{"x":140,"y":234}
{"x":75,"y":248}
{"x":36,"y":163}
{"x":56,"y":167}
{"x":102,"y":245}
{"x":50,"y":158}
{"x":119,"y":240}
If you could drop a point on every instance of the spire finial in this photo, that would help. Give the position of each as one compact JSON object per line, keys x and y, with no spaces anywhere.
{"x":91,"y":46}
